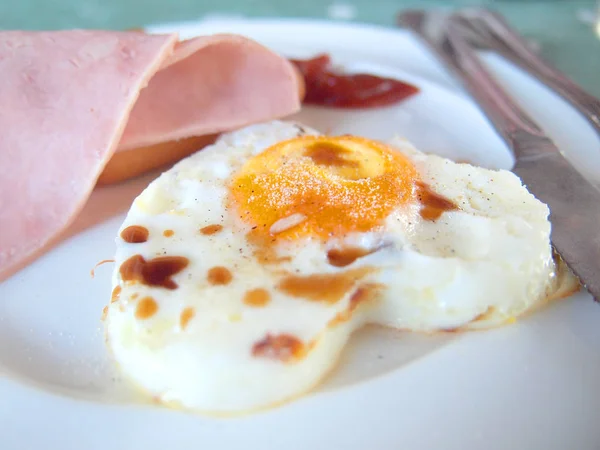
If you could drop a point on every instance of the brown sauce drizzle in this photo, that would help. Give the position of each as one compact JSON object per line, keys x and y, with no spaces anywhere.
{"x":115,"y":294}
{"x":135,"y":234}
{"x":186,"y":315}
{"x":219,"y":276}
{"x":328,"y":288}
{"x":433,"y":205}
{"x":328,"y":154}
{"x":168,"y":233}
{"x":282,"y":347}
{"x":211,"y":229}
{"x":257,"y":297}
{"x":263,"y":249}
{"x":345,"y":256}
{"x":363,"y":294}
{"x":146,"y":308}
{"x":155,"y":272}
{"x":104,"y":261}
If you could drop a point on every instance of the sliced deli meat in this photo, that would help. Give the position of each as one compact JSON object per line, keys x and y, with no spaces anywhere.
{"x":70,"y":99}
{"x":232,"y":82}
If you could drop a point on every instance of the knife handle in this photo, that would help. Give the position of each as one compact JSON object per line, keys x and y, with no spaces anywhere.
{"x":493,"y":27}
{"x":446,"y":36}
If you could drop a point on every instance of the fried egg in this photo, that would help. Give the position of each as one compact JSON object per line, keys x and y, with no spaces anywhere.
{"x":242,"y":271}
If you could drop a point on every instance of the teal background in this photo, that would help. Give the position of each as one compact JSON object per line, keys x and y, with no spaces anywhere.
{"x":562,"y":28}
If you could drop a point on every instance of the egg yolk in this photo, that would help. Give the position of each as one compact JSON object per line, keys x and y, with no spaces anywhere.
{"x":321,"y":186}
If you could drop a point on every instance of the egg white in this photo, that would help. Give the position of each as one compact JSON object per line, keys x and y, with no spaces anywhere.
{"x":481,"y":265}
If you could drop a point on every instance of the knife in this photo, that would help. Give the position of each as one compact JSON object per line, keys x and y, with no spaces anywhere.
{"x":497,"y":33}
{"x":573,"y":201}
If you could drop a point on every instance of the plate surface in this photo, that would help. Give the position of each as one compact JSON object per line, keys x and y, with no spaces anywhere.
{"x":532,"y":385}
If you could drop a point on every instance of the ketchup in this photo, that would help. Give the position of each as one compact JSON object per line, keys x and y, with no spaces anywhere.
{"x":327,"y":88}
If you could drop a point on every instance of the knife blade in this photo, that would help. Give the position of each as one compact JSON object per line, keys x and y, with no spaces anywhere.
{"x":574,"y":202}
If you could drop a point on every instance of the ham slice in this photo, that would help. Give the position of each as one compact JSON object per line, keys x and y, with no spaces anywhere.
{"x":70,"y":99}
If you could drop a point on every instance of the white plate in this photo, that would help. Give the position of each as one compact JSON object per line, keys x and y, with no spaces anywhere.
{"x":533,"y":385}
